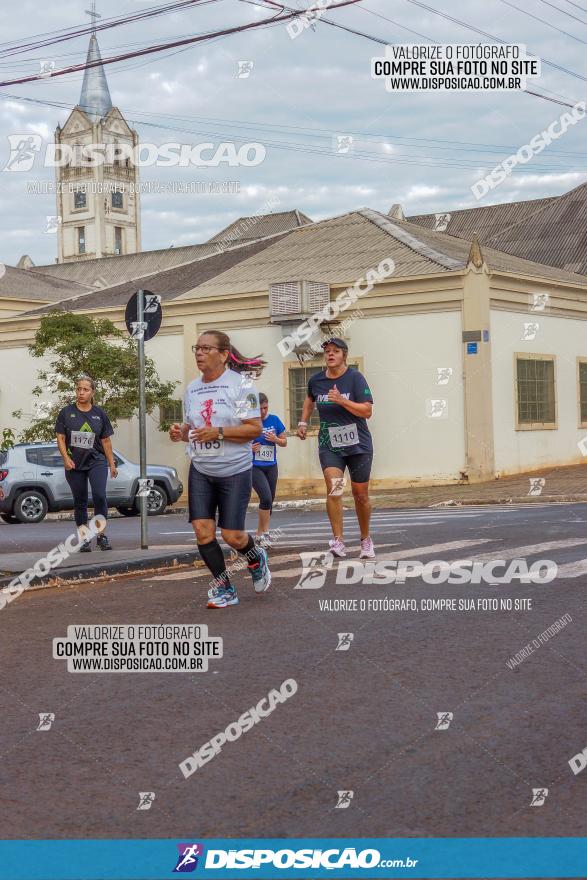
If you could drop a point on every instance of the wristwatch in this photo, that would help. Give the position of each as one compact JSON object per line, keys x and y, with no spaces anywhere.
{"x":221,"y":433}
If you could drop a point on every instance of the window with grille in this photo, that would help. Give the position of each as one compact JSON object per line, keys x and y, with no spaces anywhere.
{"x":117,"y":239}
{"x":81,"y":239}
{"x":286,"y":298}
{"x":536,"y":395}
{"x":298,"y":389}
{"x":79,"y":199}
{"x":583,"y":391}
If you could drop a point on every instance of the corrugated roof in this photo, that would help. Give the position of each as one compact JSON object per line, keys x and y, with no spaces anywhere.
{"x":337,"y":251}
{"x":260,"y":225}
{"x":496,"y":260}
{"x":341,"y":249}
{"x":24,"y":284}
{"x":556,"y":235}
{"x":169,"y":284}
{"x":485,"y":220}
{"x":550,"y":231}
{"x":106,"y":271}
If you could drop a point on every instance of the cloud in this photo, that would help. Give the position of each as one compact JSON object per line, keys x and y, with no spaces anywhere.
{"x":422,"y":150}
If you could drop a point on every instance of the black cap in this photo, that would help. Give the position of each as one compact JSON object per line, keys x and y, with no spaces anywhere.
{"x":340,"y":343}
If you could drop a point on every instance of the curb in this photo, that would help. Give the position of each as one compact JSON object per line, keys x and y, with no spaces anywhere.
{"x":104,"y":569}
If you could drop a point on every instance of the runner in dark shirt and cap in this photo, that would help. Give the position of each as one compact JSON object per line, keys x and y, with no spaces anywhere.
{"x":344,"y":403}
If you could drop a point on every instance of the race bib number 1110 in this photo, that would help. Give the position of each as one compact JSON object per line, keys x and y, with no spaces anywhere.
{"x":344,"y":435}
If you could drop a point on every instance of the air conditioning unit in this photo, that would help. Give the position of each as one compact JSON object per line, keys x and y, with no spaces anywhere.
{"x":291,"y":301}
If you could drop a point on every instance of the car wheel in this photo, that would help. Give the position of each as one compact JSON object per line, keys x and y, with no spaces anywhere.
{"x":30,"y":507}
{"x":156,"y":501}
{"x":8,"y":518}
{"x":128,"y":511}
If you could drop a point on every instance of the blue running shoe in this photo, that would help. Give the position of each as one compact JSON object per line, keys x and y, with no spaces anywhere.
{"x":260,"y":572}
{"x":222,"y":597}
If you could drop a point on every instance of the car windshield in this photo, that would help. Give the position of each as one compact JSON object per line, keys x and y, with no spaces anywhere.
{"x":3,"y":456}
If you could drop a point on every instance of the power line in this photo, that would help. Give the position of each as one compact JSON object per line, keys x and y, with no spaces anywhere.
{"x":276,"y":19}
{"x":564,"y":11}
{"x":543,"y":21}
{"x":402,"y":159}
{"x":72,"y":33}
{"x":262,"y":128}
{"x":483,"y":33}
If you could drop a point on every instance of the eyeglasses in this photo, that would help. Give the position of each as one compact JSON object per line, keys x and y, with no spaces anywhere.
{"x":205,"y":349}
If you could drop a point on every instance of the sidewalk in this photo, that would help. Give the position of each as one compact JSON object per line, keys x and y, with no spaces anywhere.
{"x":554,"y":484}
{"x":94,"y":565}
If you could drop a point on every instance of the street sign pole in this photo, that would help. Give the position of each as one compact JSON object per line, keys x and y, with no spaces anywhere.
{"x":142,"y":418}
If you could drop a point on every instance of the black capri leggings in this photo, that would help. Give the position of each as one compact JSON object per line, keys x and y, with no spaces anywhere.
{"x":265,"y":485}
{"x":78,"y":483}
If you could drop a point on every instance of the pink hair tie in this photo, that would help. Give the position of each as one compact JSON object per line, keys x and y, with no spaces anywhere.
{"x":251,"y":361}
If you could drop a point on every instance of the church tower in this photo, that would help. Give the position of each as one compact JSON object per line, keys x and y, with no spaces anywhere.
{"x":98,"y":197}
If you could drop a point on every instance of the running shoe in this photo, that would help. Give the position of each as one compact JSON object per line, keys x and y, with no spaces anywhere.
{"x":222,"y":597}
{"x":103,"y":542}
{"x":337,"y":547}
{"x":86,"y":547}
{"x":367,"y":549}
{"x":263,"y":540}
{"x":260,"y":572}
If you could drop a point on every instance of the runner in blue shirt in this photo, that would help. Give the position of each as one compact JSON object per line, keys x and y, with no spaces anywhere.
{"x":265,"y":473}
{"x":344,"y":403}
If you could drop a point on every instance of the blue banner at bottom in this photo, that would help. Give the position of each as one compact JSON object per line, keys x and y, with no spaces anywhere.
{"x":273,"y":859}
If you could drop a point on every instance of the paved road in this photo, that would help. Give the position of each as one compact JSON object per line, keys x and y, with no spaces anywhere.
{"x":362,"y":720}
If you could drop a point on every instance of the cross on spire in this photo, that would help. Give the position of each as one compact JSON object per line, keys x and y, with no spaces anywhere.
{"x":93,"y":15}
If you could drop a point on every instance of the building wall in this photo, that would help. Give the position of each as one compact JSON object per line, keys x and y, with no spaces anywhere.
{"x":566,"y":338}
{"x":18,"y":374}
{"x":400,"y":356}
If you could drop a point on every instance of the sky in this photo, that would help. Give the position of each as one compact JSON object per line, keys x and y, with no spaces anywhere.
{"x":297,"y":97}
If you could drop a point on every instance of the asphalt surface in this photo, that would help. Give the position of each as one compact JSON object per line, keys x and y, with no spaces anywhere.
{"x":362,"y":719}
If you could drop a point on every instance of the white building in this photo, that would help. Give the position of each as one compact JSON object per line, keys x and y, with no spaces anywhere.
{"x":475,"y":353}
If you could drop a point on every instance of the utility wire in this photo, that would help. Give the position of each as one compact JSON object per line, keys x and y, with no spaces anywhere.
{"x":543,"y":21}
{"x":276,"y":19}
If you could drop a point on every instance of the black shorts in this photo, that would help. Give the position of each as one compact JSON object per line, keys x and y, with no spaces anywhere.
{"x":359,"y":465}
{"x":229,"y":496}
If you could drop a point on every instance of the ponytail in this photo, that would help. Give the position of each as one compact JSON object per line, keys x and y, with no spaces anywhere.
{"x":236,"y":360}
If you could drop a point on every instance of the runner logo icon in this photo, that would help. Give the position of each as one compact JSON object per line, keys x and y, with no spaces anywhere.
{"x":539,"y":795}
{"x":187,"y":861}
{"x":314,"y":567}
{"x":444,"y":719}
{"x":46,"y":719}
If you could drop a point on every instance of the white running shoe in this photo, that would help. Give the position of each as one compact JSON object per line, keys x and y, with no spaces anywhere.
{"x":337,"y":548}
{"x":367,"y":549}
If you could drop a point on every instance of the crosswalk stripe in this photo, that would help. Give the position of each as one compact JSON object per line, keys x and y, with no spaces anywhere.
{"x":572,"y":569}
{"x":531,"y":549}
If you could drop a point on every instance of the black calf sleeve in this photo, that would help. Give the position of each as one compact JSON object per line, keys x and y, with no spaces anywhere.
{"x":250,"y":552}
{"x":214,"y":558}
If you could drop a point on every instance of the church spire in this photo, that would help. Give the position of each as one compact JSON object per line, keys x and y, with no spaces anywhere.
{"x":95,"y":98}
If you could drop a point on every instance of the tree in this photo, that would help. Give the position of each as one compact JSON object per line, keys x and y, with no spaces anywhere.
{"x":80,"y":344}
{"x":7,"y":438}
